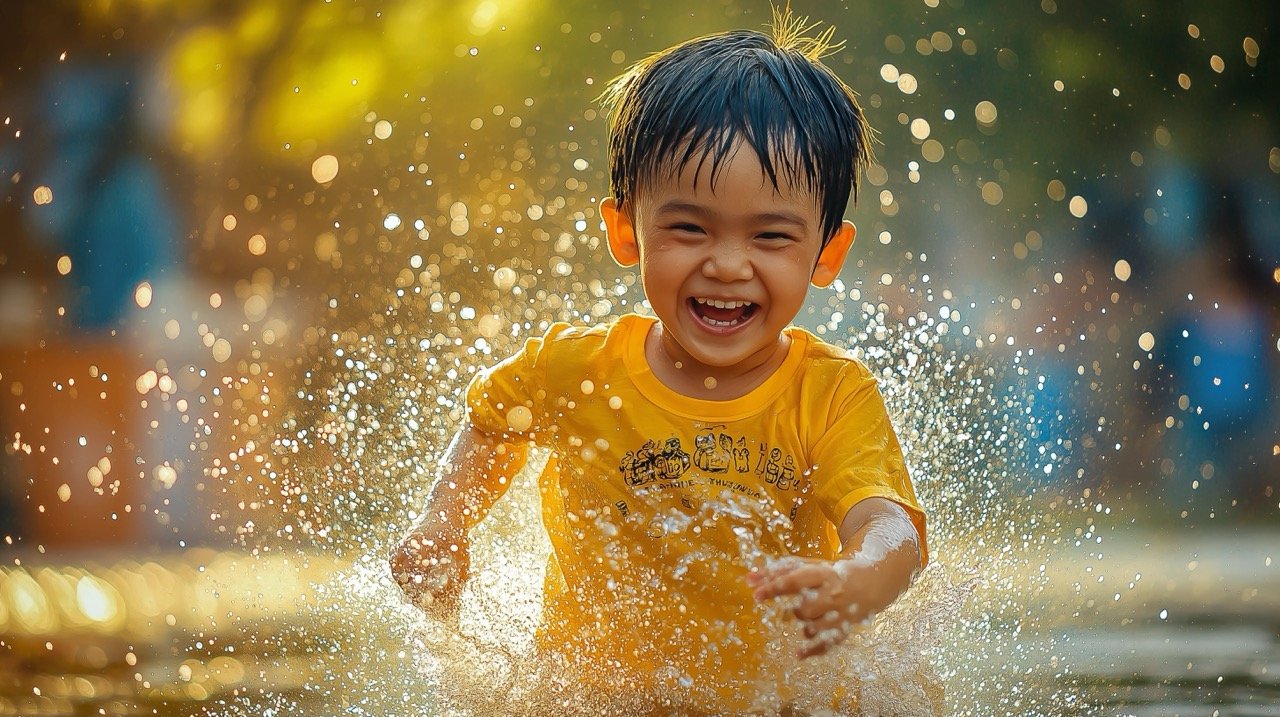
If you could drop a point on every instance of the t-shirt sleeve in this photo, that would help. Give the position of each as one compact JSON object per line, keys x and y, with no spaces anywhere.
{"x":858,"y":457}
{"x":508,"y":400}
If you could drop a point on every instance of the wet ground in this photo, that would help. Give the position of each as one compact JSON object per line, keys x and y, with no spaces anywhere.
{"x":1195,"y":631}
{"x":1197,"y":634}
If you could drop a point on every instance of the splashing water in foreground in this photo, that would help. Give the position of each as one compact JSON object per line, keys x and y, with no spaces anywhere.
{"x":961,"y":436}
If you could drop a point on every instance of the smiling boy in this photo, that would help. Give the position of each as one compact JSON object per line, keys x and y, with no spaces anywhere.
{"x":710,"y":459}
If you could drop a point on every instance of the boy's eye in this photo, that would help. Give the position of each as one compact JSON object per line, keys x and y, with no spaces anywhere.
{"x":775,"y":236}
{"x":685,"y":227}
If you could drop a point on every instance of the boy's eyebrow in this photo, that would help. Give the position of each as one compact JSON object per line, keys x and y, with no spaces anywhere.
{"x":676,"y":205}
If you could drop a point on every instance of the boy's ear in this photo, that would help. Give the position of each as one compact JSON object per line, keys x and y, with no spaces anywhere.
{"x":832,"y":257}
{"x":620,"y":232}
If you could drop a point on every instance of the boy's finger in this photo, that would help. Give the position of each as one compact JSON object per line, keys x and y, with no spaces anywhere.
{"x":829,"y":620}
{"x":777,"y":568}
{"x":757,"y":577}
{"x":809,"y":576}
{"x":821,"y":643}
{"x":789,"y":584}
{"x":815,"y":607}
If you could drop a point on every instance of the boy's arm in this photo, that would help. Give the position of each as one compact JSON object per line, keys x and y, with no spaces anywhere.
{"x":880,"y":555}
{"x":432,"y":562}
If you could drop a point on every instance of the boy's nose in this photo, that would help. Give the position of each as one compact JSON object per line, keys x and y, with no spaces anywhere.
{"x":727,"y":263}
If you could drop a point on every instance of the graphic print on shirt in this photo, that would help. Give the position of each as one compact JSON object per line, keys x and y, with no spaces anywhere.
{"x":650,"y":464}
{"x":715,"y":454}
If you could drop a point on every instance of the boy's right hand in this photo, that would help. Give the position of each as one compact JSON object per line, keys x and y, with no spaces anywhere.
{"x":431,"y":568}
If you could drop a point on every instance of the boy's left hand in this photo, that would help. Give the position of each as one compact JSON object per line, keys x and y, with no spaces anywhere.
{"x":836,"y":597}
{"x":881,"y":555}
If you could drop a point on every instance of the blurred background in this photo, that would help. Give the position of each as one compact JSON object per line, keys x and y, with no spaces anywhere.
{"x":252,"y":251}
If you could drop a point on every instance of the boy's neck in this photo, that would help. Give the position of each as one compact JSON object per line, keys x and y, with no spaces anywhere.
{"x":688,"y":377}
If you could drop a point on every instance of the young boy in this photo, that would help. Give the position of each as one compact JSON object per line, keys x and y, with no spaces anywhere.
{"x":692,"y":450}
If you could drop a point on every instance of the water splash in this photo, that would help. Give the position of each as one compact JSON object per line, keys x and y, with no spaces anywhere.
{"x":963,"y":427}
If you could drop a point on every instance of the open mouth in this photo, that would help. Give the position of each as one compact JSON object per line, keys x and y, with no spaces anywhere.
{"x":721,"y":313}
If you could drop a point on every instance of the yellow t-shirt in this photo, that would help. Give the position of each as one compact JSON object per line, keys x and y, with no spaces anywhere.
{"x":657,"y":504}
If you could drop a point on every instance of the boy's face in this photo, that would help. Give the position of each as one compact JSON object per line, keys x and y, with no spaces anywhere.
{"x":725,"y":270}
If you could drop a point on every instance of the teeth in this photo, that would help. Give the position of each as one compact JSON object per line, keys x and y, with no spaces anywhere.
{"x":722,"y":304}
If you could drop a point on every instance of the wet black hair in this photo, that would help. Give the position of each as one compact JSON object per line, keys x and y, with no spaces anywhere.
{"x":697,"y":99}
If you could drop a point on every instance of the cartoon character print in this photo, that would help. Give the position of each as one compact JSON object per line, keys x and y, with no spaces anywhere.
{"x":704,"y":444}
{"x":628,"y":468}
{"x":645,"y":473}
{"x":772,"y":470}
{"x":787,"y":479}
{"x":650,"y":464}
{"x":742,"y":457}
{"x":726,"y":450}
{"x":713,"y":452}
{"x":675,"y":460}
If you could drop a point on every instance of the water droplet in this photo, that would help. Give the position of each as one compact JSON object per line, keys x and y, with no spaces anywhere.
{"x":985,"y":112}
{"x":166,"y":475}
{"x":519,"y":419}
{"x":710,"y":382}
{"x":932,"y":150}
{"x":1146,"y":341}
{"x":615,"y":402}
{"x":391,"y":222}
{"x":324,"y":169}
{"x":221,"y":350}
{"x":142,"y":295}
{"x":1123,"y":270}
{"x":490,"y":325}
{"x":382,"y":129}
{"x":1056,"y":190}
{"x":42,"y":195}
{"x":992,"y":193}
{"x":64,"y":492}
{"x":505,"y":278}
{"x":587,"y":386}
{"x":64,"y":265}
{"x":1078,"y":207}
{"x":1251,"y":49}
{"x":146,"y":382}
